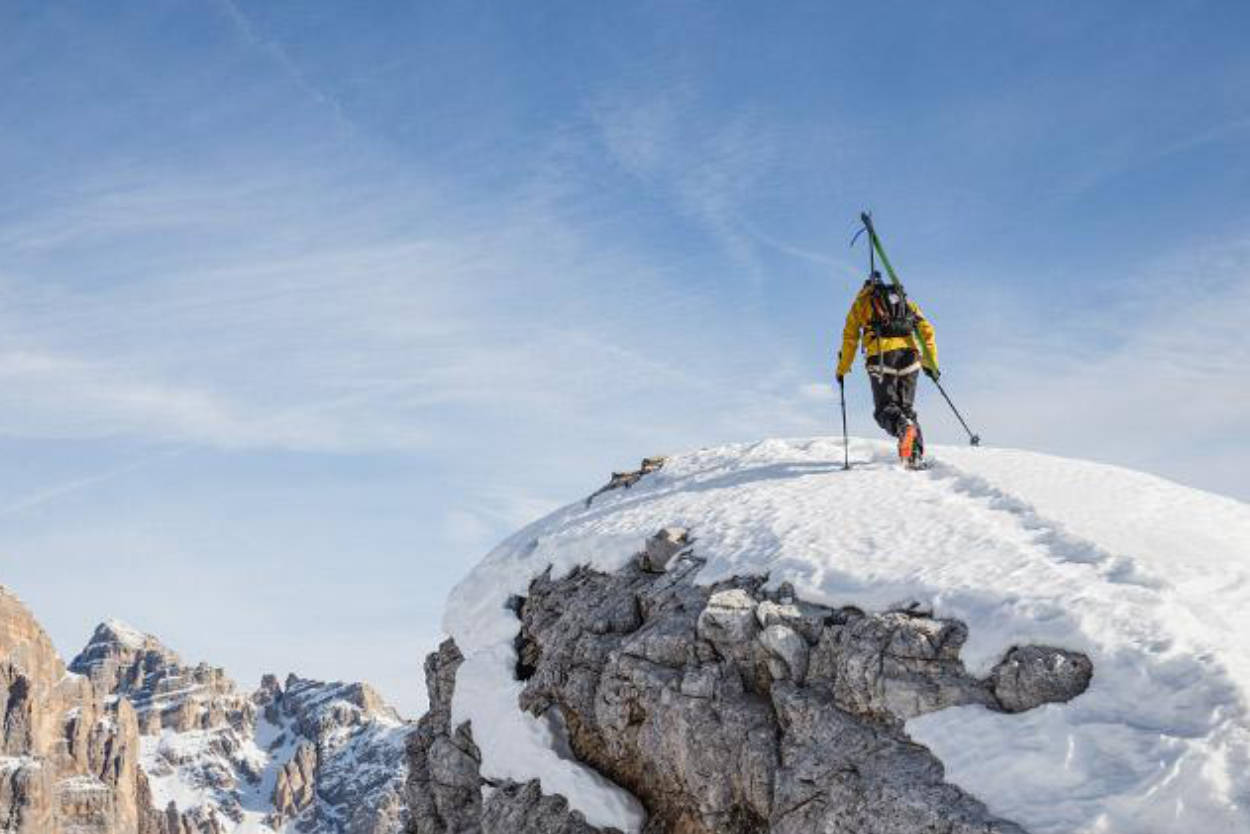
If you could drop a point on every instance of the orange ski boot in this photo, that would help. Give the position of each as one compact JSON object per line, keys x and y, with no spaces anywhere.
{"x":907,"y":443}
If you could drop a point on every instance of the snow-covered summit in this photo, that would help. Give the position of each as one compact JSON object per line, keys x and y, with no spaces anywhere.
{"x":115,"y":630}
{"x":1150,"y":579}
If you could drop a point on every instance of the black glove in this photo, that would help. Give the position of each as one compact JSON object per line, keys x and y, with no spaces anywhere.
{"x":839,"y":378}
{"x":932,"y":373}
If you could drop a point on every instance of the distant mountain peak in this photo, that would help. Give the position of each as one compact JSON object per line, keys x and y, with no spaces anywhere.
{"x":325,"y":757}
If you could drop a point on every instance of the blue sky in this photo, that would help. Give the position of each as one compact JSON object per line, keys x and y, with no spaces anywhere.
{"x":305,"y":305}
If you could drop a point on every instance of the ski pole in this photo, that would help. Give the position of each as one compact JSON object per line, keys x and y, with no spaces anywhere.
{"x":846,"y":444}
{"x":974,"y":439}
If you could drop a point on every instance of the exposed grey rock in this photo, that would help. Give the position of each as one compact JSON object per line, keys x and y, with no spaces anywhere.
{"x":847,"y":775}
{"x":348,"y":772}
{"x":445,"y":788}
{"x":513,"y":808}
{"x":728,"y":617}
{"x":727,"y":709}
{"x":805,"y":618}
{"x":267,"y":696}
{"x":893,"y":666}
{"x":662,"y":547}
{"x":337,"y":748}
{"x":785,"y":644}
{"x":166,"y":694}
{"x":1030,"y":676}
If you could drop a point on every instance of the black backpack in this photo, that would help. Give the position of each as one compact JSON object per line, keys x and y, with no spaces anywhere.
{"x":892,"y":316}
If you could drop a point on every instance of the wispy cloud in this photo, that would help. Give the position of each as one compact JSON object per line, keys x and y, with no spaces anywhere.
{"x":709,"y":170}
{"x":273,"y":49}
{"x":348,"y":335}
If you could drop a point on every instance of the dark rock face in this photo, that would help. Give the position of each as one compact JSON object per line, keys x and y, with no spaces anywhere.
{"x":445,"y":789}
{"x":513,"y":808}
{"x":1030,"y":676}
{"x":728,"y":709}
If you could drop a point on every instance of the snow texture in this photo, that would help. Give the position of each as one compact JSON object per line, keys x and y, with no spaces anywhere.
{"x":1148,"y":578}
{"x":127,"y":635}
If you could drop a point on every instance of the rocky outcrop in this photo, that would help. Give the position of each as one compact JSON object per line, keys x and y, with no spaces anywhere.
{"x":348,"y":768}
{"x":733,"y":708}
{"x":68,"y":753}
{"x":115,"y":742}
{"x":295,"y":788}
{"x":446,"y":792}
{"x":166,"y":694}
{"x":625,"y":480}
{"x":1030,"y":676}
{"x":326,"y":757}
{"x":513,"y":808}
{"x":444,"y":786}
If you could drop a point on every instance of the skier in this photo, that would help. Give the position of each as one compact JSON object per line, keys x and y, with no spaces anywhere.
{"x":888,"y":322}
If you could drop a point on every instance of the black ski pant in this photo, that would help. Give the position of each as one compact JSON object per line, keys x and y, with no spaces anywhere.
{"x":894,"y":393}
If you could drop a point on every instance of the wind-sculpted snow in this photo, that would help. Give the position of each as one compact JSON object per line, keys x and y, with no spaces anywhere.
{"x":1146,"y":578}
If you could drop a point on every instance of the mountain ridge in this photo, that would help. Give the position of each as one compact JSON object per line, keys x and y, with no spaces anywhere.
{"x":197,"y":754}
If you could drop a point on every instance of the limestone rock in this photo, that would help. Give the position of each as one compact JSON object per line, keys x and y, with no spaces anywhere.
{"x":805,"y":618}
{"x":295,"y":788}
{"x":1030,"y":676}
{"x":728,"y":617}
{"x":625,"y":480}
{"x":785,"y":645}
{"x":72,"y":761}
{"x":730,"y":709}
{"x":895,"y":665}
{"x":663,"y":546}
{"x":68,"y":755}
{"x":446,"y":793}
{"x":513,"y":808}
{"x":166,"y":694}
{"x":845,"y":775}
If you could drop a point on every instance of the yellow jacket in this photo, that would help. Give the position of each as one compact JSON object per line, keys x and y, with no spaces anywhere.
{"x":858,"y":321}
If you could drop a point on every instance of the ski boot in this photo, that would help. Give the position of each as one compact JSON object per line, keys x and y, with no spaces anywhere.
{"x":911,"y":447}
{"x":907,"y":442}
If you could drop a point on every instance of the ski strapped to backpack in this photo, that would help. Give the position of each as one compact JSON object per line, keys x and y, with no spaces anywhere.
{"x":897,"y":286}
{"x":892,"y":316}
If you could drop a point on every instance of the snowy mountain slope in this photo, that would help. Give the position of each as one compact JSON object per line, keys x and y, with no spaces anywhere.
{"x":322,"y":758}
{"x":1146,"y":577}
